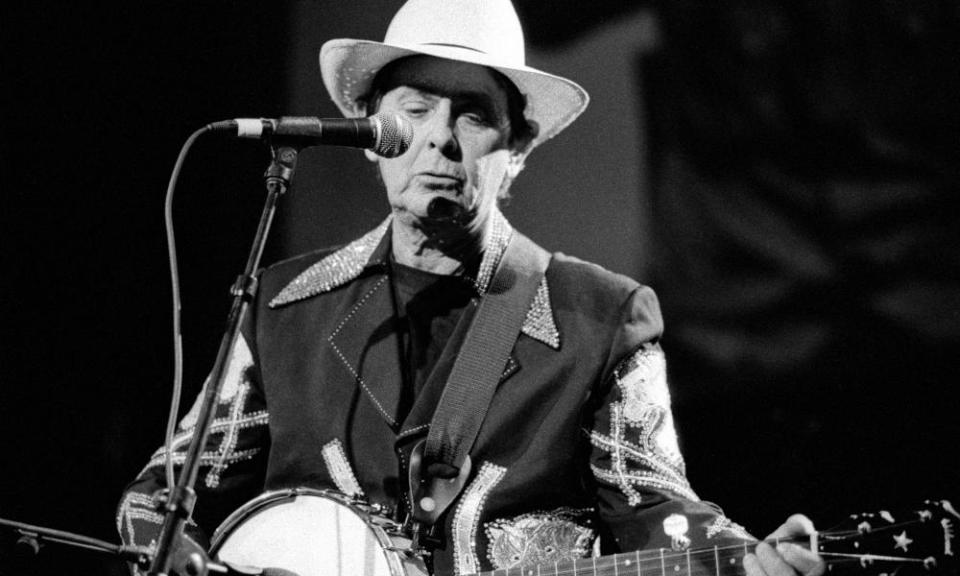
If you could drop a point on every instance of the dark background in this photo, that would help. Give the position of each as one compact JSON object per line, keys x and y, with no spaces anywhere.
{"x":797,"y":203}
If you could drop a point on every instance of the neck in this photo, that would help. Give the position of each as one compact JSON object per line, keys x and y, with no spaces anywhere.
{"x":435,"y":249}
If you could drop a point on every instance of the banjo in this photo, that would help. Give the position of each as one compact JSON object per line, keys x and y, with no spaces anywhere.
{"x":322,"y":533}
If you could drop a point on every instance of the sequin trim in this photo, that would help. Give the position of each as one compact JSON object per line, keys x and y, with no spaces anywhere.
{"x":356,"y":375}
{"x":642,"y":379}
{"x":241,"y":359}
{"x":335,"y":270}
{"x":347,"y":263}
{"x":466,"y":519}
{"x":652,"y":460}
{"x":226,"y":453}
{"x":181,"y":440}
{"x":539,"y":537}
{"x":136,"y":506}
{"x":539,"y":323}
{"x":339,"y":467}
{"x":232,"y":404}
{"x":724,"y":524}
{"x":496,"y":245}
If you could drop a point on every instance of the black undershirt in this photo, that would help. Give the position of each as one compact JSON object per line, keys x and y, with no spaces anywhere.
{"x":428,"y":307}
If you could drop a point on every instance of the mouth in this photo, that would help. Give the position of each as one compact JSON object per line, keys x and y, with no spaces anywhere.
{"x":441,"y":181}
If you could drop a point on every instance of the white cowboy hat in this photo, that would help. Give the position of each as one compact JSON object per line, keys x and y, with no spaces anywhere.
{"x":484,"y":32}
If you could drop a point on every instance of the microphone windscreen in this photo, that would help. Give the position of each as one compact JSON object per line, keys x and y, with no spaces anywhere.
{"x":396,"y":134}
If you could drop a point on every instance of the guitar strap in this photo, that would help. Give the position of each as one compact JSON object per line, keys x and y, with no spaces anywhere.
{"x":483,"y":356}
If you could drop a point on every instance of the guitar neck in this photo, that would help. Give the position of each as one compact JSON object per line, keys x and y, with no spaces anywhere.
{"x":725,"y":560}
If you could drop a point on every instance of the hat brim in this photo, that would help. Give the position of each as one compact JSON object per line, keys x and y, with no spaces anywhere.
{"x":348,"y":67}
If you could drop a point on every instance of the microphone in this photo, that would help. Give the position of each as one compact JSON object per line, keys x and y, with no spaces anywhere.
{"x":386,"y":136}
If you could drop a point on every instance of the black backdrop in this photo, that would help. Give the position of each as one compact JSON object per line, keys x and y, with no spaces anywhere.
{"x":97,"y":101}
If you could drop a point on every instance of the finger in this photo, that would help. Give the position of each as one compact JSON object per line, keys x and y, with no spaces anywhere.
{"x":796,"y":525}
{"x":752,"y":566}
{"x":771,"y":562}
{"x":806,"y":562}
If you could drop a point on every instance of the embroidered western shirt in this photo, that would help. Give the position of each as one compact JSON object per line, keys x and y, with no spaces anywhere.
{"x":579,"y":440}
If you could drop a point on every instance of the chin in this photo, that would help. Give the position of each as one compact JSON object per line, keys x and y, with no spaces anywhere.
{"x":421,"y":201}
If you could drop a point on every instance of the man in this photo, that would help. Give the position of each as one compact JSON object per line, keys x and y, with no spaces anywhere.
{"x":347,"y":353}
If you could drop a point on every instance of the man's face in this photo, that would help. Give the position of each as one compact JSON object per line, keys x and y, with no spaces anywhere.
{"x":459,"y":114}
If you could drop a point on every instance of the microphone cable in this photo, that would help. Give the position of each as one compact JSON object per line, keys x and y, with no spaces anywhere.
{"x":175,"y":298}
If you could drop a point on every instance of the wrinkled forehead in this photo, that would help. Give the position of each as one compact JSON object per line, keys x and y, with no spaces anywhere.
{"x":446,"y":78}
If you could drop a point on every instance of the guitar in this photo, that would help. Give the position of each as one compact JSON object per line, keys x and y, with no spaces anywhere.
{"x":317,"y":532}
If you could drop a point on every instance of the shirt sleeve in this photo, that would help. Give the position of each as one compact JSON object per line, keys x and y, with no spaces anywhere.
{"x":232,"y":464}
{"x":644,"y":498}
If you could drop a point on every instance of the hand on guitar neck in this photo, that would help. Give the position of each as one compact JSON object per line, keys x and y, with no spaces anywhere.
{"x":786,"y":558}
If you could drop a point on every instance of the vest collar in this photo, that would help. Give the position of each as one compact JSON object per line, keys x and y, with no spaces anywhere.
{"x":371,"y":250}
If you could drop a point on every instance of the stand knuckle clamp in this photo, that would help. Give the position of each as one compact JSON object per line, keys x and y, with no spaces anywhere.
{"x":244,"y":287}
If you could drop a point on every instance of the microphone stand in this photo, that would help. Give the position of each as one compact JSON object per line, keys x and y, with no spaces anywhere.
{"x":33,"y":537}
{"x":176,"y":554}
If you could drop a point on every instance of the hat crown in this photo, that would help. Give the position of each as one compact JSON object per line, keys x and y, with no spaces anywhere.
{"x":489,"y":27}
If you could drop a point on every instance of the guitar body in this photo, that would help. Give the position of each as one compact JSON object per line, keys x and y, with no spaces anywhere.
{"x":310,"y":532}
{"x":314,"y":533}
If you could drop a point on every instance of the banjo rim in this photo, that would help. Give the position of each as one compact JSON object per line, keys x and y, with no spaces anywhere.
{"x":272,"y":498}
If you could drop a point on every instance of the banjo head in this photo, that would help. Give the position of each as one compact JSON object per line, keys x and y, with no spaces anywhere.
{"x":312,"y":533}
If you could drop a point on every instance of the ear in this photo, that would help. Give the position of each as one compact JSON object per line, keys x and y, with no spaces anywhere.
{"x":520,"y":148}
{"x":515,"y":164}
{"x":371,"y":155}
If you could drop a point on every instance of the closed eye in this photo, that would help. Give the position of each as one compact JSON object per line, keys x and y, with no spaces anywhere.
{"x":475,"y":118}
{"x":416,"y":111}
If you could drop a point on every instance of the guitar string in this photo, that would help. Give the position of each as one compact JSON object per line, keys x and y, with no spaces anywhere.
{"x":612,"y":564}
{"x":605,"y":568}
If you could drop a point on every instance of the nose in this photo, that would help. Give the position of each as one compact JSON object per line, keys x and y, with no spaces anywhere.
{"x":441,"y":133}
